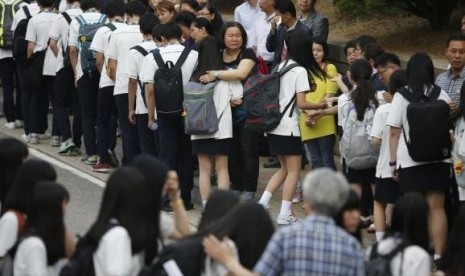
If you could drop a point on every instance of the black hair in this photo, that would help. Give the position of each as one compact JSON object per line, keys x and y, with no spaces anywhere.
{"x":298,"y":40}
{"x":89,"y":4}
{"x":455,"y":37}
{"x":349,"y":44}
{"x":398,"y":80}
{"x":155,"y":173}
{"x":385,"y":59}
{"x":46,"y":3}
{"x":147,"y":22}
{"x":410,"y":219}
{"x":28,"y":175}
{"x":12,"y":154}
{"x":460,"y":113}
{"x":185,"y":19}
{"x":324,"y":45}
{"x":232,"y":24}
{"x":352,"y":203}
{"x":135,"y":8}
{"x":193,"y":3}
{"x":203,"y":23}
{"x":47,"y":219}
{"x":454,"y":254}
{"x":420,"y":74}
{"x":372,"y":51}
{"x":169,"y":31}
{"x":218,"y":205}
{"x":157,"y":32}
{"x":207,"y":5}
{"x":365,"y":93}
{"x":363,"y":40}
{"x":114,"y":8}
{"x":126,"y":199}
{"x":284,"y":6}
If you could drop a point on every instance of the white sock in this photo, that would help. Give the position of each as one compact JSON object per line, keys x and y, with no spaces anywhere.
{"x":379,"y":236}
{"x":437,"y":257}
{"x":285,"y":208}
{"x":204,"y":202}
{"x":265,"y":199}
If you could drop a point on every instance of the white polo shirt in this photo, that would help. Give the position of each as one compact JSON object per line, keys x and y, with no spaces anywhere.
{"x":8,"y":232}
{"x":260,"y":33}
{"x":380,"y":130}
{"x":169,"y":53}
{"x":38,"y":33}
{"x":292,"y":82}
{"x":59,"y":31}
{"x":89,"y":17}
{"x":99,"y":44}
{"x":247,"y":15}
{"x":33,"y":9}
{"x":134,"y":67}
{"x":121,"y":41}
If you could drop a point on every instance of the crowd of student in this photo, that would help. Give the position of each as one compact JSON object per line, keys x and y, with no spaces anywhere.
{"x":114,"y":65}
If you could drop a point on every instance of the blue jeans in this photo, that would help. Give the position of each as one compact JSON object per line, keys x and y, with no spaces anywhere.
{"x":321,"y":152}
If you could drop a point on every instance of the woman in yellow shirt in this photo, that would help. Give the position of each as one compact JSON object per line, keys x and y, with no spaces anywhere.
{"x":318,"y":134}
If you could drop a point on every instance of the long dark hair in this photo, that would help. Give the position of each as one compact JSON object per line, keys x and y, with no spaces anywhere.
{"x":218,"y":205}
{"x":420,"y":74}
{"x":410,"y":219}
{"x":397,"y":81}
{"x":452,"y":259}
{"x":203,"y":23}
{"x":460,"y":113}
{"x":352,"y":203}
{"x":126,"y":199}
{"x":365,"y":93}
{"x":296,"y":42}
{"x":12,"y":154}
{"x":47,"y":219}
{"x":28,"y":175}
{"x":155,"y":173}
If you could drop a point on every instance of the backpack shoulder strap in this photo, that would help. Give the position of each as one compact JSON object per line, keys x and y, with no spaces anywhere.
{"x":435,"y":93}
{"x":140,"y":49}
{"x":102,"y":19}
{"x":67,"y":17}
{"x":158,"y":59}
{"x":183,"y":57}
{"x":405,"y":92}
{"x":287,"y":68}
{"x":80,"y":19}
{"x":374,"y":251}
{"x":26,"y":12}
{"x":111,"y":26}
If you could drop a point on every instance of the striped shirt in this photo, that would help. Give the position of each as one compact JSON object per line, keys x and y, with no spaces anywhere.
{"x":314,"y":247}
{"x":451,"y":84}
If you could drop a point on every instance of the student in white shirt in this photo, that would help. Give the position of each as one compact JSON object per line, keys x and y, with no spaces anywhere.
{"x":260,"y":32}
{"x":123,"y":231}
{"x":148,"y":139}
{"x":64,"y":82}
{"x":117,"y":51}
{"x":285,"y":139}
{"x":428,"y":178}
{"x":247,"y":14}
{"x":386,"y":188}
{"x":37,"y":37}
{"x":106,"y":105}
{"x":43,"y":244}
{"x":176,"y":149}
{"x":86,"y":82}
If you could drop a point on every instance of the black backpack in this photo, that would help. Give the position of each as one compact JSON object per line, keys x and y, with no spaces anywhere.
{"x":19,"y":36}
{"x":8,"y":11}
{"x":66,"y":57}
{"x":380,"y":264}
{"x":261,"y":100}
{"x":143,"y":52}
{"x":169,"y":90}
{"x":429,"y":123}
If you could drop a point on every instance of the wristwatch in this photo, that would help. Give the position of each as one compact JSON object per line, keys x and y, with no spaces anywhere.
{"x":216,"y":74}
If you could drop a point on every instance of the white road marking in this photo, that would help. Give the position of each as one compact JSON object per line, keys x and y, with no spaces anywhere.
{"x":67,"y":167}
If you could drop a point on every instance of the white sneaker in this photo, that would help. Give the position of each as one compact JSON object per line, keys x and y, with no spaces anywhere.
{"x":19,"y":124}
{"x":33,"y":139}
{"x":287,"y":219}
{"x":25,"y":137}
{"x":55,"y":141}
{"x":10,"y":125}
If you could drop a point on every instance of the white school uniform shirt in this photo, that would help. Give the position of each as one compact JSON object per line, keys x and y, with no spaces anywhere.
{"x":99,"y":44}
{"x":247,"y":15}
{"x":169,"y":53}
{"x":260,"y":33}
{"x":380,"y":130}
{"x":134,"y":67}
{"x":167,"y":225}
{"x":342,"y":103}
{"x":398,"y":118}
{"x":114,"y":256}
{"x":293,"y":82}
{"x":59,"y":31}
{"x":8,"y":232}
{"x":90,"y":17}
{"x":31,"y":259}
{"x":8,"y":53}
{"x":37,"y":32}
{"x":121,"y":41}
{"x":33,"y":9}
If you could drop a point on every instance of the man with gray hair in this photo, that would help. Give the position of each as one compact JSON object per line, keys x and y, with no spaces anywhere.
{"x":317,"y":246}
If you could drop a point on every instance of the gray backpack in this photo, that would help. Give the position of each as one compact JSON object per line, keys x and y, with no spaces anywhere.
{"x":356,"y":147}
{"x":200,"y":117}
{"x":86,"y":35}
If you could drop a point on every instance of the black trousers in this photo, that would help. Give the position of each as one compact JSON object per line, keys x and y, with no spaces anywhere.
{"x":106,"y":123}
{"x":11,"y":106}
{"x":88,"y":91}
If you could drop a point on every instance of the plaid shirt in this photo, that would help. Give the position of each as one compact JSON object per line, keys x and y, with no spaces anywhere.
{"x":451,"y":85}
{"x":314,"y":247}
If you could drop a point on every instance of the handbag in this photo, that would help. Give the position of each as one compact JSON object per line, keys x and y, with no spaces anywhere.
{"x":33,"y":71}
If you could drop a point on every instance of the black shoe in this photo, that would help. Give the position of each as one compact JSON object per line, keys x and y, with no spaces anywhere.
{"x":188,"y":205}
{"x":272,"y":163}
{"x":114,"y":162}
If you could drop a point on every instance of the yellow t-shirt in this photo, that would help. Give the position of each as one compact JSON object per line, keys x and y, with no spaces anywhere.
{"x":325,"y":125}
